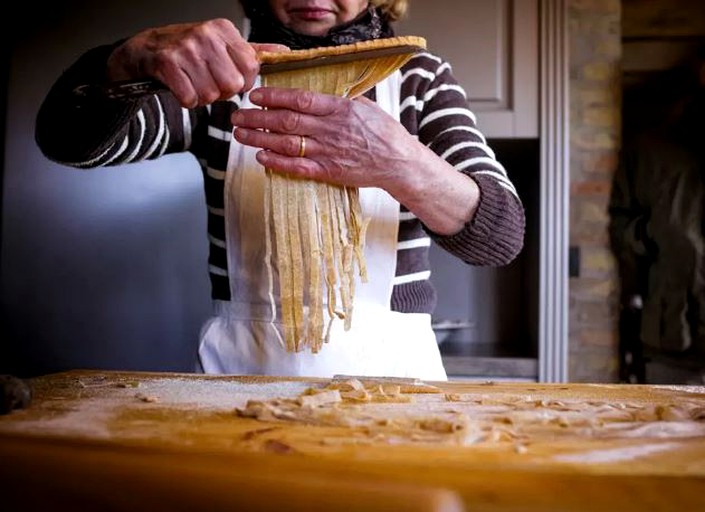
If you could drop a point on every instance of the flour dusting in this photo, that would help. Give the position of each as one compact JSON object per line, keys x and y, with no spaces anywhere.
{"x":87,"y":408}
{"x":615,"y":454}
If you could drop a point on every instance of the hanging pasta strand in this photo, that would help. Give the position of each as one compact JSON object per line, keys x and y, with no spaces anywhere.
{"x":338,"y":250}
{"x":316,"y":231}
{"x":345,"y":252}
{"x":268,"y":252}
{"x":296,"y":252}
{"x":358,"y":230}
{"x":308,"y":220}
{"x":329,"y":257}
{"x":279,"y":186}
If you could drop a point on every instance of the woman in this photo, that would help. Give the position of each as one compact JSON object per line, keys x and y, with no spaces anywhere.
{"x":411,"y":146}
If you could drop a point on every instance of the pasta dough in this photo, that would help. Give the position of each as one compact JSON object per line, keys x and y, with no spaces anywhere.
{"x":374,"y":411}
{"x":315,"y":230}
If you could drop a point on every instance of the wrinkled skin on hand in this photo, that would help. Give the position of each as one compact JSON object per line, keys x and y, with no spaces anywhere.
{"x":199,"y":62}
{"x":348,"y":142}
{"x":355,"y":143}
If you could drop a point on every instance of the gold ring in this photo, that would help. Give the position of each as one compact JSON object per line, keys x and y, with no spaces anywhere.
{"x":302,"y":146}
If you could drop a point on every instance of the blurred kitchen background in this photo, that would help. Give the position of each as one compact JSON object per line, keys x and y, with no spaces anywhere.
{"x":107,"y":268}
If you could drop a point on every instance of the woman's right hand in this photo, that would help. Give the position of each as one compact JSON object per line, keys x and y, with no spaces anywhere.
{"x":199,"y":62}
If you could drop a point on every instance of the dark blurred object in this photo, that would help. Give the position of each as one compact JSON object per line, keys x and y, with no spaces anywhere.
{"x":632,"y":367}
{"x":14,"y":394}
{"x":657,"y":225}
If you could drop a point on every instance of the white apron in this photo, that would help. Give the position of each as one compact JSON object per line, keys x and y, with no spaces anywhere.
{"x":241,"y":338}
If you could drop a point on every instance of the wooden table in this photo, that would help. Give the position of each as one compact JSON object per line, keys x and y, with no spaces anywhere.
{"x":95,"y":440}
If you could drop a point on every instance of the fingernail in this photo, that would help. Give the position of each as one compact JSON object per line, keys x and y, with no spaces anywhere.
{"x":255,"y":95}
{"x":236,"y":118}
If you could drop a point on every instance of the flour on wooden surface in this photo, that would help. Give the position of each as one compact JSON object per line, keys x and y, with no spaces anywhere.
{"x":88,"y":406}
{"x":616,"y":454}
{"x":482,"y":418}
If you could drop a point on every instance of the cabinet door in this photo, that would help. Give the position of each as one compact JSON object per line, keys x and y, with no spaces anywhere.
{"x":492,"y":46}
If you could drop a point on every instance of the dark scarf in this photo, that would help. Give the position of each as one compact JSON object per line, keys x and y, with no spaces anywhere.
{"x":265,"y":28}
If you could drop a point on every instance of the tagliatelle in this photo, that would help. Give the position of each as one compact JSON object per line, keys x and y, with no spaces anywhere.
{"x":316,"y":230}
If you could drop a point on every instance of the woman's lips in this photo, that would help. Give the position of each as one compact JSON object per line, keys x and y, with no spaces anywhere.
{"x":310,"y":14}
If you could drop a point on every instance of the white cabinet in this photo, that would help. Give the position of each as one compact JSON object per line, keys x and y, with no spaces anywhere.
{"x":493,"y":48}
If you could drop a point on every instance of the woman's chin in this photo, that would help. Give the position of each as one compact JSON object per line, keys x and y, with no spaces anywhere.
{"x":311,"y":29}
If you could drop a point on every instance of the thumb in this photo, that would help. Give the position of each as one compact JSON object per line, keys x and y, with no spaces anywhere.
{"x":270,"y":47}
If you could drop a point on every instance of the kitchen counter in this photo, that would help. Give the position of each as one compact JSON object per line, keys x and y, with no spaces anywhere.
{"x":489,"y":361}
{"x":98,"y":440}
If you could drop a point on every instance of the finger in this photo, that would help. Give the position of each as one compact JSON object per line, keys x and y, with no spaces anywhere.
{"x":296,"y":146}
{"x":296,"y":99}
{"x":240,"y":54}
{"x":229,"y":81}
{"x":206,"y":87}
{"x":231,"y":76}
{"x":277,"y":121}
{"x":293,"y":166}
{"x":270,"y":47}
{"x":189,"y":77}
{"x":180,"y":85}
{"x":243,"y":56}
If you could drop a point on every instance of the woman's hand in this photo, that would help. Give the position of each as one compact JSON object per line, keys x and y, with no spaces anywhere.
{"x":355,"y":143}
{"x":348,"y":142}
{"x":199,"y":62}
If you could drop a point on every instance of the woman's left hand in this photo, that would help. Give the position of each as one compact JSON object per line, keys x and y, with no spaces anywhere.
{"x":353,"y":143}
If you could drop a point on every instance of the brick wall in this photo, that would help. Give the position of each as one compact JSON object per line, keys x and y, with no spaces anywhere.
{"x":595,"y":125}
{"x":607,"y":38}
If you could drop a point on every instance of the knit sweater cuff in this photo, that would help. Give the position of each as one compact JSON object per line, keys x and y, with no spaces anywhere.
{"x":495,"y":235}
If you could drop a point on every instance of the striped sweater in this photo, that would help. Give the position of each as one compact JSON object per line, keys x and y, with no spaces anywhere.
{"x":92,"y":132}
